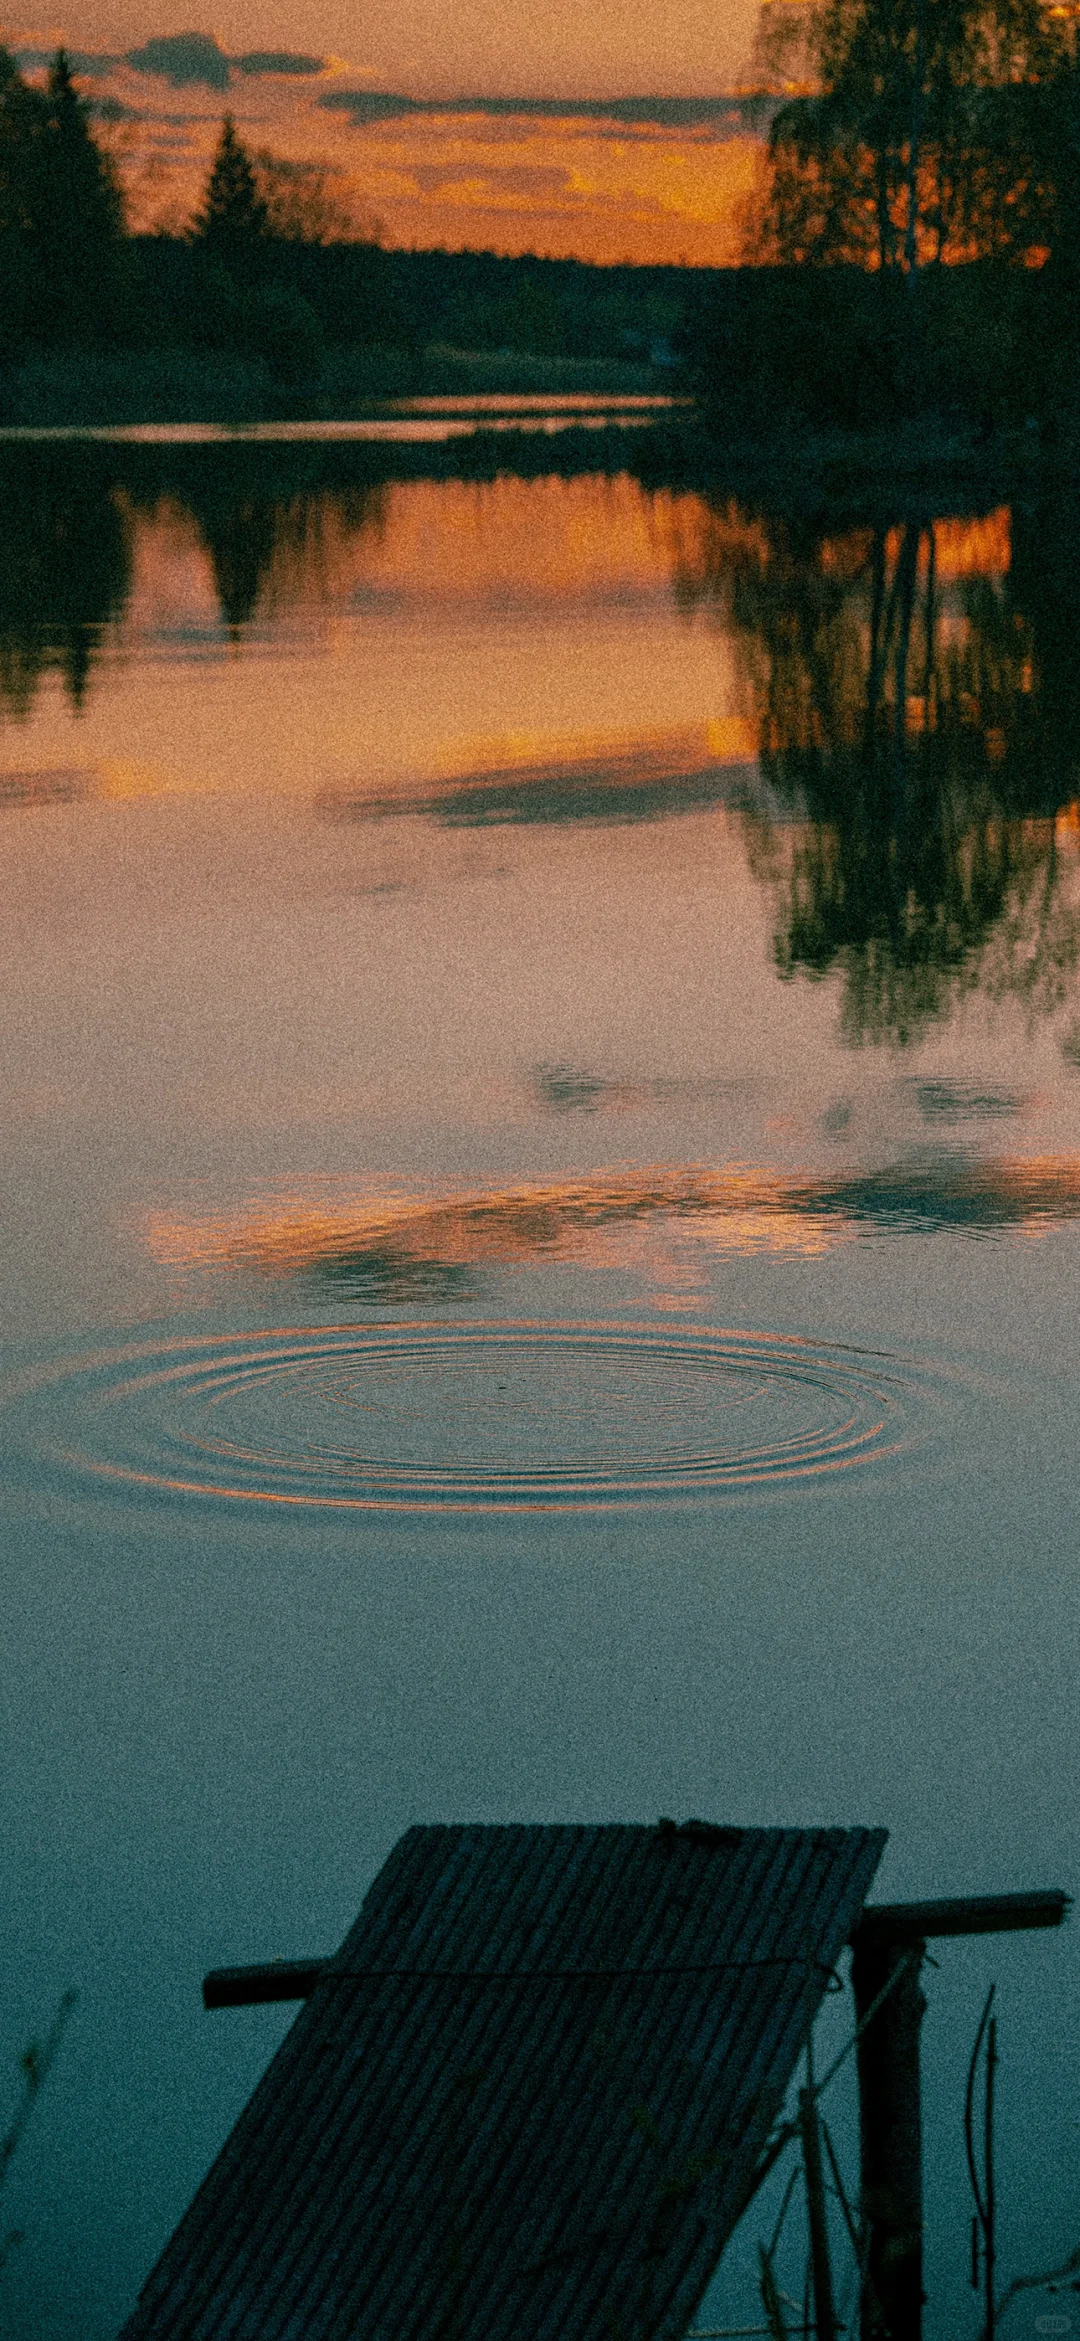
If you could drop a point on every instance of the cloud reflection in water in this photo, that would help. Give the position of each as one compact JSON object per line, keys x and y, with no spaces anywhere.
{"x":390,"y":1249}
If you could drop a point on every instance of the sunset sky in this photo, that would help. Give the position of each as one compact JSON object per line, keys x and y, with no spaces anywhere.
{"x":577,"y":166}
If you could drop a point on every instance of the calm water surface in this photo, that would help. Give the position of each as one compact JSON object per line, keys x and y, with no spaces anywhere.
{"x":541,"y":1200}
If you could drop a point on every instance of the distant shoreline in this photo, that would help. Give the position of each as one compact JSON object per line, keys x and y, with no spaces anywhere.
{"x":115,"y":388}
{"x":695,"y":451}
{"x":679,"y":443}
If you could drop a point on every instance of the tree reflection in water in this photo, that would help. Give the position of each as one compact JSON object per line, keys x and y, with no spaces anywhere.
{"x":917,"y":702}
{"x":268,"y":518}
{"x":911,"y":679}
{"x":65,"y":569}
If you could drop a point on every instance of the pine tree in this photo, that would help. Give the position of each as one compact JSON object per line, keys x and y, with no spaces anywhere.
{"x":22,"y":128}
{"x":21,"y":125}
{"x":232,"y":219}
{"x":78,"y":223}
{"x":86,"y":195}
{"x":61,"y":214}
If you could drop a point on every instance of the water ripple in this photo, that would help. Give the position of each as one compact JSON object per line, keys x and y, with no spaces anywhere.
{"x":465,"y":1418}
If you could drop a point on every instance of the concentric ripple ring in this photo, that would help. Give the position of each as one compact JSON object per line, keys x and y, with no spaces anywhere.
{"x":474,"y":1417}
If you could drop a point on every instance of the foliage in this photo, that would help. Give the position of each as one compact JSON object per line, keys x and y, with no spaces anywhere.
{"x":364,"y":296}
{"x":279,"y":326}
{"x":255,"y":199}
{"x":983,"y":346}
{"x":307,"y":202}
{"x":934,"y":131}
{"x":22,"y":130}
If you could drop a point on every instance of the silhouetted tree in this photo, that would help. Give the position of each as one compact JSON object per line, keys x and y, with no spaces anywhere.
{"x":21,"y":129}
{"x":78,"y":224}
{"x":309,"y":202}
{"x":232,"y":220}
{"x":926,"y":137}
{"x":61,"y":215}
{"x":244,"y":300}
{"x":84,"y":182}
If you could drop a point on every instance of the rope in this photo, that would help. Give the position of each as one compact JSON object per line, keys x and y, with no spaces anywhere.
{"x":787,"y":1959}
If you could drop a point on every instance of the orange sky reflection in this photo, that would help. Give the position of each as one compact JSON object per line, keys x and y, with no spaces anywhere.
{"x":622,"y":1219}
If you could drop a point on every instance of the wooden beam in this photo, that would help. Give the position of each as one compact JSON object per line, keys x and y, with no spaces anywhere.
{"x":967,"y":1914}
{"x":252,"y":1987}
{"x":881,"y":1922}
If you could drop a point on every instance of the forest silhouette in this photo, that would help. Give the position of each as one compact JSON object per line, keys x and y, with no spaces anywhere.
{"x":918,"y":213}
{"x":276,"y":270}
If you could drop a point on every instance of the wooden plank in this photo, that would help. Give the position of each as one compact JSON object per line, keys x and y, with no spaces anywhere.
{"x":533,"y":2088}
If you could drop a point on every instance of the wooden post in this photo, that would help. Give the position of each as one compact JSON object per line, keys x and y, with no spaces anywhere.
{"x":891,"y":2136}
{"x":820,"y":2263}
{"x":990,"y":2183}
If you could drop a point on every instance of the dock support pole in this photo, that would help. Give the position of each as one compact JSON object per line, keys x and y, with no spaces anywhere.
{"x":890,"y":2128}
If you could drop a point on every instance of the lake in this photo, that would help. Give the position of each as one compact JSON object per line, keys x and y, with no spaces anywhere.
{"x":541,"y":1206}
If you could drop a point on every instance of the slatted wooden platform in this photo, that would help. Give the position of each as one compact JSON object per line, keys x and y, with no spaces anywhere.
{"x":529,"y":2094}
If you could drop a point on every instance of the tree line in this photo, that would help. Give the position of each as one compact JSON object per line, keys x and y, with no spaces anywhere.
{"x":920,"y":217}
{"x":275,"y":264}
{"x":71,"y":275}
